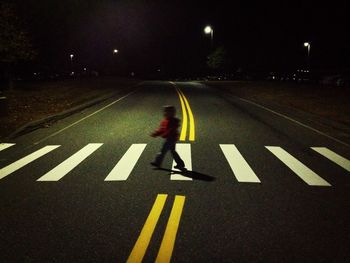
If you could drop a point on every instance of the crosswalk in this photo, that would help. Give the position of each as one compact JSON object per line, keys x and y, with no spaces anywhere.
{"x":4,"y":146}
{"x":336,"y":158}
{"x":241,"y":170}
{"x":238,"y":164}
{"x":126,"y":164}
{"x":301,"y":170}
{"x":184,"y":150}
{"x":26,"y":160}
{"x":69,"y":164}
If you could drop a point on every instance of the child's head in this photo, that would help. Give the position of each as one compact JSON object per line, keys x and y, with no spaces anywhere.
{"x":169,"y":111}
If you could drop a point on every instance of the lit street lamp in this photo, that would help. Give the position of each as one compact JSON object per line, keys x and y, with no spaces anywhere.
{"x":209,"y":30}
{"x":308,"y":46}
{"x":71,"y":63}
{"x":114,"y":63}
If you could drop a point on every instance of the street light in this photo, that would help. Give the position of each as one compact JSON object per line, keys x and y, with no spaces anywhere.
{"x":114,"y":64}
{"x":209,"y":30}
{"x":71,"y":63}
{"x":308,"y":46}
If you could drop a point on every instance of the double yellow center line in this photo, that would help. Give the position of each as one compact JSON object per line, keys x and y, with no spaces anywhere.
{"x":166,"y":248}
{"x":186,"y":113}
{"x":167,"y":245}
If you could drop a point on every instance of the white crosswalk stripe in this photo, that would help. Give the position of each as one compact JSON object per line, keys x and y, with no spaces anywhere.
{"x":124,"y":167}
{"x":26,"y":160}
{"x":126,"y":164}
{"x":184,"y":150}
{"x":334,"y":157}
{"x":305,"y":173}
{"x":65,"y":167}
{"x":4,"y":146}
{"x":238,"y":164}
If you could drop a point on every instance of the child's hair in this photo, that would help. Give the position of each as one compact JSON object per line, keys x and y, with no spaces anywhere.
{"x":169,"y":110}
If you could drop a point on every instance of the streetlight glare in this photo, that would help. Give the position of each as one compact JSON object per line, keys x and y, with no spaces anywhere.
{"x":115,"y":51}
{"x":208,"y":29}
{"x":306,"y":44}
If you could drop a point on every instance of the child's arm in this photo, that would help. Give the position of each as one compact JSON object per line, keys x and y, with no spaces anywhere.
{"x":160,"y":131}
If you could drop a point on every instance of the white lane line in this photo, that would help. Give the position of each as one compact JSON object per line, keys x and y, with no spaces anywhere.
{"x":82,"y":119}
{"x":125,"y":165}
{"x":238,"y":164}
{"x":26,"y":160}
{"x":69,"y":164}
{"x":334,"y":157}
{"x":4,"y":146}
{"x":305,"y":173}
{"x":297,"y":122}
{"x":184,"y":150}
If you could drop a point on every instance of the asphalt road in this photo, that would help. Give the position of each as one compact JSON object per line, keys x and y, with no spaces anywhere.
{"x":82,"y":190}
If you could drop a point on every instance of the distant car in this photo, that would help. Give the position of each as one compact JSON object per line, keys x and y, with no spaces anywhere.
{"x":335,"y":80}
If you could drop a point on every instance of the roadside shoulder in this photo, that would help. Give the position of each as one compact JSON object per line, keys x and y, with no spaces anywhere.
{"x":331,"y":127}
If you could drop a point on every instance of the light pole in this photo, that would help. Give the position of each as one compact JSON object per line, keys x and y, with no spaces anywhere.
{"x":71,"y":62}
{"x":114,"y":64}
{"x":308,"y":46}
{"x":209,"y":30}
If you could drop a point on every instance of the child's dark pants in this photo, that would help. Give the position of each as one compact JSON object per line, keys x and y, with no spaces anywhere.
{"x":169,"y":145}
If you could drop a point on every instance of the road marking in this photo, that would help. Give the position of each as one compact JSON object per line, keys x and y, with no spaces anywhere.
{"x":124,"y":167}
{"x":168,"y":242}
{"x":190,"y":114}
{"x":26,"y":160}
{"x":334,"y":157}
{"x":143,"y":240}
{"x":66,"y":166}
{"x":241,"y":169}
{"x":297,"y":122}
{"x":186,"y":109}
{"x":82,"y":119}
{"x":306,"y":174}
{"x":184,"y":119}
{"x":184,"y":150}
{"x":4,"y":146}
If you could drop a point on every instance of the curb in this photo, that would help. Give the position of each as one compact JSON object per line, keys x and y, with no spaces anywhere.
{"x":309,"y":116}
{"x":34,"y":125}
{"x":31,"y":126}
{"x":338,"y":129}
{"x":343,"y":127}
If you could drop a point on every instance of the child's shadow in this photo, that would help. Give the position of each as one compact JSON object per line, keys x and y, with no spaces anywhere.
{"x":191,"y":174}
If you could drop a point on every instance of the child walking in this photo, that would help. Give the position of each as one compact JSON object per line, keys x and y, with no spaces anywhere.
{"x":168,"y":130}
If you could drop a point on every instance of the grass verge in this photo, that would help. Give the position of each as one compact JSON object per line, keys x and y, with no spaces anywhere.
{"x":31,"y":101}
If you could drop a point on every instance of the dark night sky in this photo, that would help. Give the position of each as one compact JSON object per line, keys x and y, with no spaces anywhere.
{"x":169,"y":34}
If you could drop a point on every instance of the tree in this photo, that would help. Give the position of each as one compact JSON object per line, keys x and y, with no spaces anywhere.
{"x":15,"y":45}
{"x":217,"y":59}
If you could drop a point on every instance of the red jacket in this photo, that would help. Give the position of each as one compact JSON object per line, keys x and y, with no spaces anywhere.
{"x":168,"y":129}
